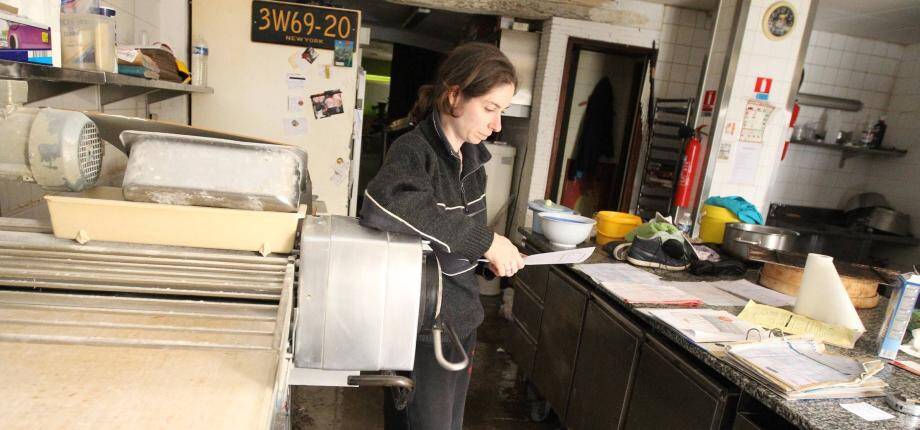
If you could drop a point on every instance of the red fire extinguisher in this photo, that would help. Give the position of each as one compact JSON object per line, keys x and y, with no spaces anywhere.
{"x":795,"y":116}
{"x":688,"y":170}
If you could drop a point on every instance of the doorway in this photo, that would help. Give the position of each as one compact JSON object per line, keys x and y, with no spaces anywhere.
{"x":598,"y":128}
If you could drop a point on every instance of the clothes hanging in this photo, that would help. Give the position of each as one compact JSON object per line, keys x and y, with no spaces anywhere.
{"x":596,"y":138}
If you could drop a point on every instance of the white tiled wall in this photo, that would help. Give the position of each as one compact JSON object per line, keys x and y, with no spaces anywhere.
{"x":758,"y":57}
{"x":839,"y":66}
{"x":685,"y":37}
{"x":138,"y":21}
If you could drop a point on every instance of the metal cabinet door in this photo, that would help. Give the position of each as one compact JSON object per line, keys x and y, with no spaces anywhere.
{"x":522,"y":348}
{"x":527,"y":310}
{"x":604,"y":370}
{"x":535,"y":277}
{"x":560,"y":329}
{"x":671,"y":392}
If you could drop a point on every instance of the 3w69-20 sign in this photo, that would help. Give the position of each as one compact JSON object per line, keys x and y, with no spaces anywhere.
{"x":303,"y":25}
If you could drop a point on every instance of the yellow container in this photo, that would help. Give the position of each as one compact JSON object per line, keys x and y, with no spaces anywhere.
{"x":614,"y":225}
{"x":712,"y":223}
{"x":101,"y":214}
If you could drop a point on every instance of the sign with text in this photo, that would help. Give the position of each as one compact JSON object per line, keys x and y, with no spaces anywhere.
{"x":303,"y":25}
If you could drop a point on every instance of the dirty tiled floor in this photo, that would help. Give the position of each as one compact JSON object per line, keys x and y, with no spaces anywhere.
{"x":496,"y":399}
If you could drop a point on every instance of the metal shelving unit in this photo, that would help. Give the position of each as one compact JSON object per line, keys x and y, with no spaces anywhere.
{"x":663,"y":158}
{"x":847,"y":152}
{"x":111,"y":87}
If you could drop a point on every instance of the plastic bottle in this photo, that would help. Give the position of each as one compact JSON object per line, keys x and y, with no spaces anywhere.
{"x":878,"y":133}
{"x":821,"y":127}
{"x":683,"y":220}
{"x":200,"y":62}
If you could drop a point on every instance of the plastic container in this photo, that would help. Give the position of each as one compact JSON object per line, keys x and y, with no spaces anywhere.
{"x":200,"y":62}
{"x":538,"y":206}
{"x":102,"y":214}
{"x":88,"y":42}
{"x":712,"y":223}
{"x":566,"y":230}
{"x":614,"y":225}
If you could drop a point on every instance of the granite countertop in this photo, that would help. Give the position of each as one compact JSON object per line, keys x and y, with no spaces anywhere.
{"x":807,"y":414}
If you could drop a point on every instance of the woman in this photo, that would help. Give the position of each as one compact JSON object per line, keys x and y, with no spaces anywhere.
{"x":432,"y":185}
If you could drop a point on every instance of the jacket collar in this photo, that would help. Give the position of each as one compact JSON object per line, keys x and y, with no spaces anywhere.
{"x":474,"y":156}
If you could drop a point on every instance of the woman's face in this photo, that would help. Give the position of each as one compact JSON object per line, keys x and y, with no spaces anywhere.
{"x":479,"y":117}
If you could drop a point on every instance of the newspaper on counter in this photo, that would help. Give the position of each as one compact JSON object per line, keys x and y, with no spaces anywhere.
{"x":646,"y":294}
{"x":707,"y":325}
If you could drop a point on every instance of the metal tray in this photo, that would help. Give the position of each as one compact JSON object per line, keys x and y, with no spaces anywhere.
{"x":200,"y":171}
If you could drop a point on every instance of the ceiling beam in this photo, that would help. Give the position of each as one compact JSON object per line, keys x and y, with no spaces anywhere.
{"x":415,"y":17}
{"x":607,"y":11}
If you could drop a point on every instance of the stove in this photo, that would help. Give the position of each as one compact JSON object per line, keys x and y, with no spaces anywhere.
{"x":826,"y":231}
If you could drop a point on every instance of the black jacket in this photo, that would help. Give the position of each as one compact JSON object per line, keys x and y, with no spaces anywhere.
{"x":424,"y":190}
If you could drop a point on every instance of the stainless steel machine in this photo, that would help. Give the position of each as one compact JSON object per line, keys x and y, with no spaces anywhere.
{"x":140,"y":335}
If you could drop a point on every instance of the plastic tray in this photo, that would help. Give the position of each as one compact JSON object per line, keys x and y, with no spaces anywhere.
{"x":102,"y":214}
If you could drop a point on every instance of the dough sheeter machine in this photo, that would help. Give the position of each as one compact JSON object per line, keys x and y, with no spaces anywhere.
{"x":198,"y":292}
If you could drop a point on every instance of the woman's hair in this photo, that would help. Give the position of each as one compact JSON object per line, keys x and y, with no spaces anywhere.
{"x":475,"y":68}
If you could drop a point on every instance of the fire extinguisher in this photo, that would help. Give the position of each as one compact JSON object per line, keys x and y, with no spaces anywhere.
{"x":688,"y":170}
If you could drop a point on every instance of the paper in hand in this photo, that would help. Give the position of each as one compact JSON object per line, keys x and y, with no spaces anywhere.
{"x":573,"y":256}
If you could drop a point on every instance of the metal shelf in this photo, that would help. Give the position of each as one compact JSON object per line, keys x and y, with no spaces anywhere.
{"x":829,"y":102}
{"x":847,"y":152}
{"x":112,"y":87}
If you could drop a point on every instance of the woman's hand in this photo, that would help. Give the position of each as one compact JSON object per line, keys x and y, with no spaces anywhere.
{"x":504,"y":258}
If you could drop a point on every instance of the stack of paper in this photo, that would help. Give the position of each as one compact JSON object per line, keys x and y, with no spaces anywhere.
{"x":706,"y":325}
{"x":651,"y":294}
{"x":788,"y":322}
{"x":749,"y":290}
{"x":619,"y":272}
{"x":802,"y":369}
{"x":708,"y":293}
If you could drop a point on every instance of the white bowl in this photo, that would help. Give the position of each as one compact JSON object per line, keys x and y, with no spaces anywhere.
{"x":565,"y":230}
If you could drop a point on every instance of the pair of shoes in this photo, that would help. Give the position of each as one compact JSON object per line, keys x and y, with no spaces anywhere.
{"x":659,"y":245}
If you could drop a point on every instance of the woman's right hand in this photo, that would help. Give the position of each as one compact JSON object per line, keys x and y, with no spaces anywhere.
{"x":504,"y":257}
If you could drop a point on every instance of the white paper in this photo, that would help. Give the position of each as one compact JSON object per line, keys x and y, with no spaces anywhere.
{"x":910,"y":350}
{"x":867,"y":411}
{"x":650,"y":294}
{"x":798,"y":363}
{"x":572,"y":256}
{"x":823,"y":297}
{"x":749,"y":290}
{"x":744,"y":166}
{"x":709,"y":294}
{"x":296,"y":81}
{"x":296,"y":103}
{"x":602,"y":272}
{"x":705,"y":325}
{"x":295,"y":126}
{"x":756,"y":115}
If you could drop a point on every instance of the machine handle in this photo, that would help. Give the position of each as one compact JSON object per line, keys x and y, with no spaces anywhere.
{"x":455,"y":340}
{"x":381,"y":381}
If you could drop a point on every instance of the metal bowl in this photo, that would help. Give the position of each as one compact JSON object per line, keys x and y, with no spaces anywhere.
{"x":739,"y":237}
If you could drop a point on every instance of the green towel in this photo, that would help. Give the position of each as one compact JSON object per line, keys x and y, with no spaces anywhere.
{"x":658,"y":227}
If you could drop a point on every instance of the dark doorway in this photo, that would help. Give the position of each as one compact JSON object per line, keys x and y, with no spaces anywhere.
{"x":598,"y":128}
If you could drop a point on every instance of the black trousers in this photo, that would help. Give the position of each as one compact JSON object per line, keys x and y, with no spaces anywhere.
{"x":439,"y":397}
